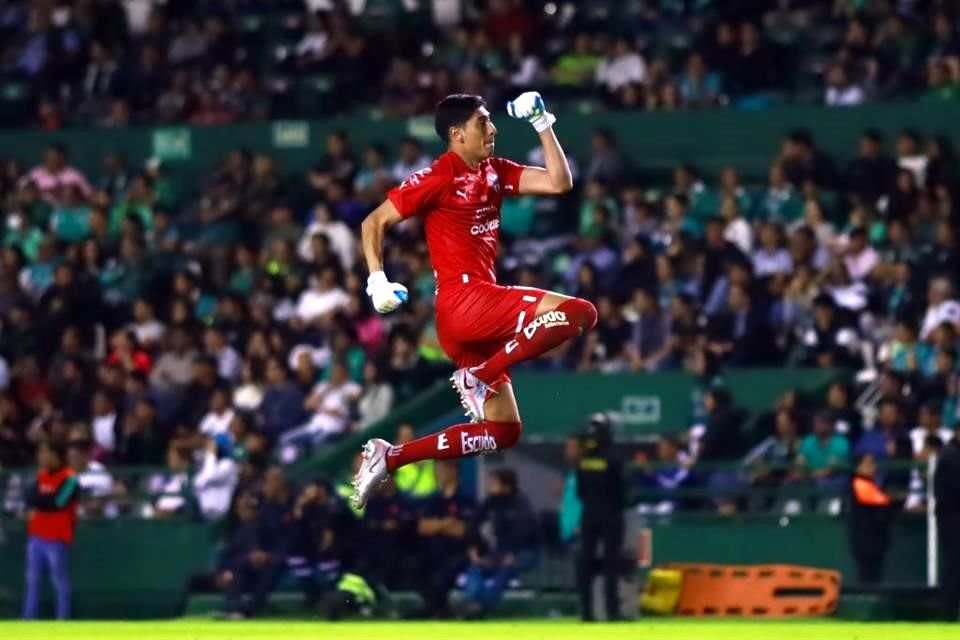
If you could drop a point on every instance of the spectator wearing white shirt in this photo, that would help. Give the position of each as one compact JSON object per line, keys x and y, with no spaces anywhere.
{"x":145,"y":326}
{"x":331,"y":405}
{"x":771,"y":257}
{"x":170,"y":485}
{"x":411,"y":158}
{"x":940,"y":307}
{"x":926,"y":439}
{"x":105,"y":425}
{"x":841,"y":92}
{"x":859,"y":257}
{"x":377,"y":398}
{"x":217,"y":420}
{"x":216,"y":478}
{"x":229,"y":362}
{"x":929,"y":426}
{"x":736,"y":231}
{"x":322,"y":299}
{"x":524,"y":66}
{"x":312,"y":47}
{"x":621,"y":66}
{"x":343,"y":242}
{"x":96,"y":483}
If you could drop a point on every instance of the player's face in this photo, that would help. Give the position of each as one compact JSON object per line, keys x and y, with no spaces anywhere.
{"x":479,"y":134}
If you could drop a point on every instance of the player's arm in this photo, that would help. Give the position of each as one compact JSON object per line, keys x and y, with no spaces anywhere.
{"x":372,"y":231}
{"x":555,"y":178}
{"x":385,"y":295}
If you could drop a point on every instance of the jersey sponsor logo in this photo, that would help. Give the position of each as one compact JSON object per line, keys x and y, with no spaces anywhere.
{"x":414,"y":178}
{"x":442,"y":442}
{"x":546,"y":320}
{"x":511,"y":346}
{"x":477,"y":444}
{"x":486,"y":227}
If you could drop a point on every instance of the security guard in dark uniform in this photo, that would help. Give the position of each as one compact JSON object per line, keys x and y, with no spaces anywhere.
{"x":600,"y":486}
{"x":946,"y":490}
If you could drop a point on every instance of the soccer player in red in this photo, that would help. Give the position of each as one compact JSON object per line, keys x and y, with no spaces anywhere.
{"x":484,"y":327}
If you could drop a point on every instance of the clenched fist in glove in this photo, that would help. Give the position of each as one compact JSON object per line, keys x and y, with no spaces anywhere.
{"x":385,"y":295}
{"x":529,"y":106}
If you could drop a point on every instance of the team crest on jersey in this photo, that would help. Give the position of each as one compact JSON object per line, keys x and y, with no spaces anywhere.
{"x":493,"y":180}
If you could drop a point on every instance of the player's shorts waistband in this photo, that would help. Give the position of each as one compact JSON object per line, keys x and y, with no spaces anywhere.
{"x":463,"y":278}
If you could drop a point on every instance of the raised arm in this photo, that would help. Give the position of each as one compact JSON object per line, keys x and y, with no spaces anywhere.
{"x":555,"y":178}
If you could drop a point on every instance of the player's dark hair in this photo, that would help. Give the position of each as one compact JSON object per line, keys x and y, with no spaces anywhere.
{"x":454,"y":111}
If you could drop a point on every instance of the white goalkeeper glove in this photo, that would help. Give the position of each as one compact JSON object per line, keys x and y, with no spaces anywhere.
{"x":385,"y":295}
{"x":529,"y":106}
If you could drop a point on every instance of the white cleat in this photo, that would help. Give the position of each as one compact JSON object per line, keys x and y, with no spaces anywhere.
{"x":472,"y":391}
{"x":372,"y":471}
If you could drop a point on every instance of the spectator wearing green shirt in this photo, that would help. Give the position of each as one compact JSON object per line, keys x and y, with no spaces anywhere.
{"x":941,"y":86}
{"x":138,"y":200}
{"x":578,"y":67}
{"x":71,"y":216}
{"x":417,"y":480}
{"x":824,"y":453}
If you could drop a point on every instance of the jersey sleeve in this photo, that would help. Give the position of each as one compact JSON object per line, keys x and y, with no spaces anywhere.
{"x":509,"y":173}
{"x":421,"y":191}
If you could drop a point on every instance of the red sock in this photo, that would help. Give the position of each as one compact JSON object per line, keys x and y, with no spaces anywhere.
{"x":546,"y":331}
{"x":458,"y":441}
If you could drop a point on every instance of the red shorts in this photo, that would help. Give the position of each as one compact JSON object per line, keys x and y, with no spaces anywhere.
{"x":476,"y":319}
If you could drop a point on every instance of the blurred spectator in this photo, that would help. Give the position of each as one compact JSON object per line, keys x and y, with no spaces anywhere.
{"x":720,"y":439}
{"x":578,"y":67}
{"x":699,"y":87}
{"x":415,"y":480}
{"x":621,"y":66}
{"x":672,"y":474}
{"x":52,"y":520}
{"x":171,"y":485}
{"x":376,"y":400}
{"x":869,"y":521}
{"x":443,"y":529}
{"x":54,"y":174}
{"x":330,"y":404}
{"x":217,"y":477}
{"x":251,"y":560}
{"x":823,"y":454}
{"x":410,"y":159}
{"x":389,"y":523}
{"x":513,"y":551}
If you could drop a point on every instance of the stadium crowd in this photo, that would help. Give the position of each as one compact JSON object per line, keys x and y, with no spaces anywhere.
{"x":113,"y":63}
{"x":218,"y":327}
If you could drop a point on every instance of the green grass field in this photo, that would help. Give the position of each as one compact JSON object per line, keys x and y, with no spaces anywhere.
{"x":520,"y":630}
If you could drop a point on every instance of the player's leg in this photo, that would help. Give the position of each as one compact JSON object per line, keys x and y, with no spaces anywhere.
{"x":521,"y":324}
{"x":557,"y":318}
{"x":500,"y":430}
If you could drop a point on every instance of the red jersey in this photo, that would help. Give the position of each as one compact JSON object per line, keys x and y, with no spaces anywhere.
{"x":461,"y":209}
{"x":54,"y":524}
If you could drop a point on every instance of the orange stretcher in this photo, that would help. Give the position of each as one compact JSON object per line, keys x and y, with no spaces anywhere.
{"x":774,"y":590}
